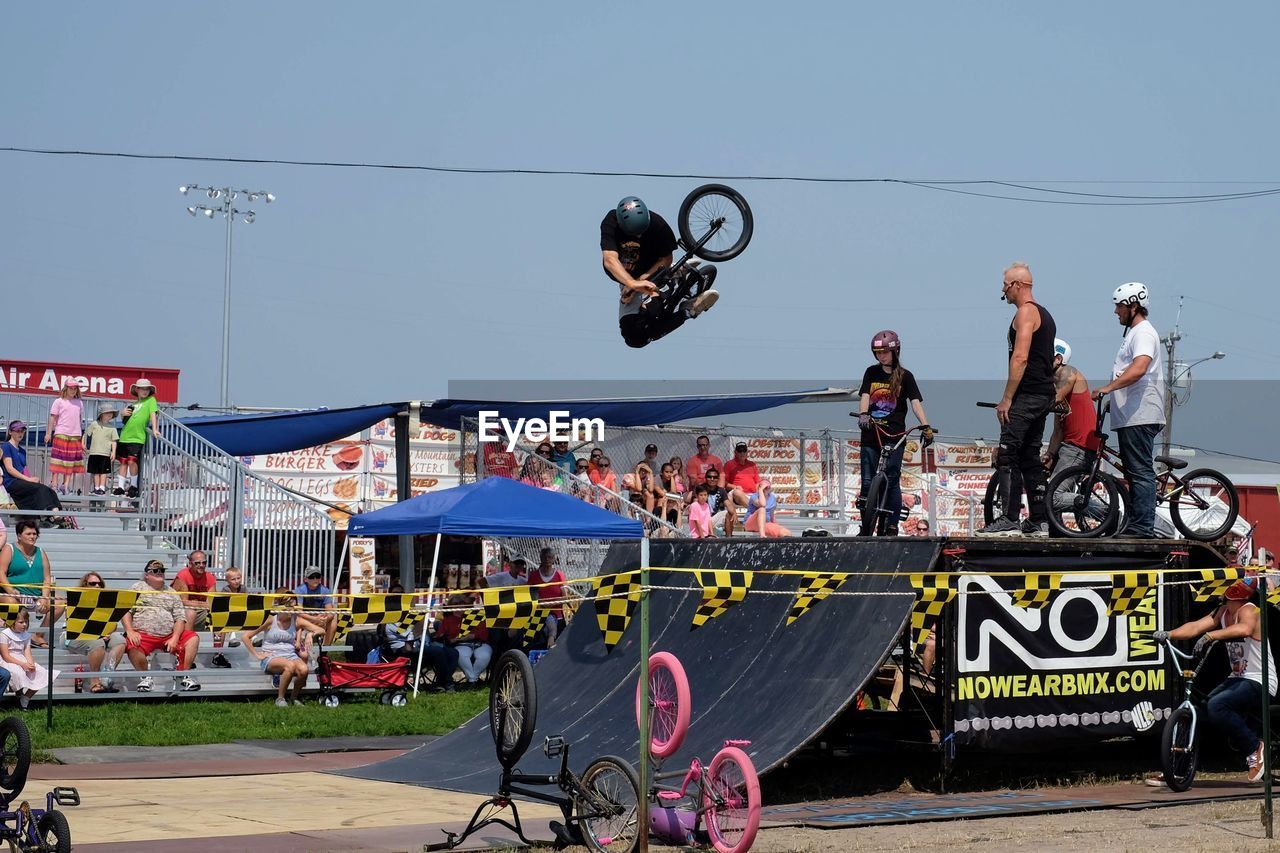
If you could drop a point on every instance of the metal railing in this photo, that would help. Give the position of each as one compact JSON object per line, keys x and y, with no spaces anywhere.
{"x":239,"y":518}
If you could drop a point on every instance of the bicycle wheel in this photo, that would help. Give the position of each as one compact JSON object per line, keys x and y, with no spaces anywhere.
{"x":607,"y":807}
{"x":1178,"y":747}
{"x":54,"y":832}
{"x":871,"y":515}
{"x":15,"y":754}
{"x":513,"y":706}
{"x":992,"y":506}
{"x":731,"y":796}
{"x":669,"y":708}
{"x":708,"y":205}
{"x":1206,"y":507}
{"x":1081,"y":504}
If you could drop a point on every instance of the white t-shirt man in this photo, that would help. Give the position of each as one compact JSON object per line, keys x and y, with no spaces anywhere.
{"x":1143,"y":401}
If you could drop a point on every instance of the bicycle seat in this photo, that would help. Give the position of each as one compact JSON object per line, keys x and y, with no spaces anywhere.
{"x":1171,"y":463}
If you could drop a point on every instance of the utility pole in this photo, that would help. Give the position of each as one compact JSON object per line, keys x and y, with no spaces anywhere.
{"x":1170,"y":342}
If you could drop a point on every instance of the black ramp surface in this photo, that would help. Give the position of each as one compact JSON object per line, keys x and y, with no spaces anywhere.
{"x":752,"y":676}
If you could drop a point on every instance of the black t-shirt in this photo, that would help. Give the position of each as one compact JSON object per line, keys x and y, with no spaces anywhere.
{"x":1038,"y":377}
{"x":885,"y":409}
{"x":637,"y":254}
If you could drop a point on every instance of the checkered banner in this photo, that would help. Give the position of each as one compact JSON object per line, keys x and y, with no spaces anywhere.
{"x":509,"y":607}
{"x":1216,"y":582}
{"x":1128,"y":589}
{"x":616,"y":597}
{"x":9,"y":611}
{"x":721,"y":589}
{"x":380,"y":609}
{"x":344,"y":625}
{"x":94,"y":613}
{"x":814,"y":586}
{"x":238,"y":611}
{"x":471,"y":620}
{"x":1036,"y":590}
{"x":933,"y":592}
{"x":536,"y":623}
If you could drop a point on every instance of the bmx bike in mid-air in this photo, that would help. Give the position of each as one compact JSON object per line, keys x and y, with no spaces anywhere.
{"x":715,"y":225}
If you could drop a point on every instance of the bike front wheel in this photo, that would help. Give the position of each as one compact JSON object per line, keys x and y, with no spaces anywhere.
{"x":722,"y":213}
{"x":15,"y":754}
{"x":1081,"y":504}
{"x":1206,"y":507}
{"x":607,"y":808}
{"x":1178,"y":747}
{"x":513,"y":706}
{"x":731,"y":797}
{"x":669,"y":708}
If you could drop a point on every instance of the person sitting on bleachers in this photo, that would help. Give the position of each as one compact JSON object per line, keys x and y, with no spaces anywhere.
{"x":280,"y":654}
{"x":26,"y":576}
{"x":26,"y":676}
{"x":440,"y":656}
{"x":193,"y":581}
{"x":760,"y":510}
{"x":474,"y":651}
{"x":314,"y":597}
{"x":27,"y":492}
{"x":101,"y":650}
{"x":158,"y":621}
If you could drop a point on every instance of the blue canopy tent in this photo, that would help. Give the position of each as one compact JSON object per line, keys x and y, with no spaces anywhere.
{"x":495,"y":506}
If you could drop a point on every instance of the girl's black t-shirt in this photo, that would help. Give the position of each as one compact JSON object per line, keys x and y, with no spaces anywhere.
{"x":888,"y":411}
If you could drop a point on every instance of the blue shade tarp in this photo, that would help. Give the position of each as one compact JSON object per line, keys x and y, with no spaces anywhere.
{"x":626,"y":412}
{"x":281,"y":432}
{"x":496,"y":506}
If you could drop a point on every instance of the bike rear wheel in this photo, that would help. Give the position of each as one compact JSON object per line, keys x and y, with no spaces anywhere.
{"x":608,"y":808}
{"x":731,"y":797}
{"x":1081,"y":504}
{"x":15,"y":754}
{"x":513,"y":706}
{"x":872,"y":517}
{"x":1206,"y":507}
{"x":992,"y":506}
{"x":699,"y":213}
{"x":669,"y":708}
{"x":1178,"y":747}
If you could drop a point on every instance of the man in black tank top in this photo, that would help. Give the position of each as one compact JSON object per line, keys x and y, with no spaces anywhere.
{"x":1028,"y":396}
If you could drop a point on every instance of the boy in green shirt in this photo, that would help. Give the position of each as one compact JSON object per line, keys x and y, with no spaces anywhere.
{"x":138,"y":417}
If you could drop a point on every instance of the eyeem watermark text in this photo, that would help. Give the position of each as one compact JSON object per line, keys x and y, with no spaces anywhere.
{"x":560,"y":427}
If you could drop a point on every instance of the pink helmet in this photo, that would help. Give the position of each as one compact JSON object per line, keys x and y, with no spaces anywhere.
{"x":888,"y":339}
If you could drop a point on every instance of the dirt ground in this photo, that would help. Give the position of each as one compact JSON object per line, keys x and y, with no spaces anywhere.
{"x":1233,"y":826}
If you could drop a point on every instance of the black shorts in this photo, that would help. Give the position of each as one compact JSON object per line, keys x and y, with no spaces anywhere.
{"x":99,"y":464}
{"x":128,"y":451}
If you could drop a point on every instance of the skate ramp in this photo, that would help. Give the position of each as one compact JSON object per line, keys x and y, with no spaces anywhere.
{"x":752,"y":676}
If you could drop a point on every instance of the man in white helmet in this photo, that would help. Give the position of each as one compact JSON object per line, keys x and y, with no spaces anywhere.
{"x":1137,"y":404}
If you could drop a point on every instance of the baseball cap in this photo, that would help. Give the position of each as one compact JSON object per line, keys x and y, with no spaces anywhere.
{"x":1241,"y":590}
{"x":314,"y":572}
{"x":741,"y":445}
{"x":652,"y":447}
{"x":17,"y":426}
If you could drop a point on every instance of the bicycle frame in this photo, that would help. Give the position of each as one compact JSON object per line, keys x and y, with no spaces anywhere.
{"x":883,"y":463}
{"x":28,"y":818}
{"x":668,"y":796}
{"x":1189,"y":677}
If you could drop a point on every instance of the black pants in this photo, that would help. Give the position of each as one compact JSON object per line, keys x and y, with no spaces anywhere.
{"x":33,"y":495}
{"x":664,"y":313}
{"x":1018,"y":460}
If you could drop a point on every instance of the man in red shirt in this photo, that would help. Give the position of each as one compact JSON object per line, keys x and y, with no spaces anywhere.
{"x":1075,"y":424}
{"x":741,"y":477}
{"x":193,"y":581}
{"x":498,"y":461}
{"x":695,"y":470}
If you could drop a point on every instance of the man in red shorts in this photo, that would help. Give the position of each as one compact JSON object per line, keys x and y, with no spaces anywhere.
{"x":159,"y":621}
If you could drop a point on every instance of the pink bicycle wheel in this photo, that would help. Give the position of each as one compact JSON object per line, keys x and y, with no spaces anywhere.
{"x":731,"y":797}
{"x":668,"y":704}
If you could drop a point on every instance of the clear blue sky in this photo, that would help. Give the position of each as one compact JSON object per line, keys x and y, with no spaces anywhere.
{"x":372,"y":285}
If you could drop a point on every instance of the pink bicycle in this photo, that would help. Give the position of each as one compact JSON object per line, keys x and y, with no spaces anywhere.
{"x":726,"y":792}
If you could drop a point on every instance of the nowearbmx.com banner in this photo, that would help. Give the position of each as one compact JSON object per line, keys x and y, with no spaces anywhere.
{"x":1063,"y":673}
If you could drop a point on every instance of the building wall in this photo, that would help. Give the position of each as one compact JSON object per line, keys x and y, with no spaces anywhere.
{"x":1260,"y":505}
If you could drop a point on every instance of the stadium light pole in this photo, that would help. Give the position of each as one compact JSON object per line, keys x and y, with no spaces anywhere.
{"x":225,"y":198}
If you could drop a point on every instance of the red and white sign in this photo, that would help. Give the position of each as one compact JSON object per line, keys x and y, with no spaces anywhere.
{"x":96,"y":380}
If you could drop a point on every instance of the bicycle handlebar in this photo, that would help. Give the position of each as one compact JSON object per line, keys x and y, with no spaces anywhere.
{"x":982,"y":405}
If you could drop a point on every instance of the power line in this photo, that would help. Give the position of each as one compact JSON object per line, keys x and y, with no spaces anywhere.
{"x":949,"y":185}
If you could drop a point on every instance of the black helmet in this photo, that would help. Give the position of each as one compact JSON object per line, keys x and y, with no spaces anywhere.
{"x":633,"y":216}
{"x":888,"y":339}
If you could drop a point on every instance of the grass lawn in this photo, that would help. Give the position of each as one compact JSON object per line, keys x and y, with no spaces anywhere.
{"x":182,"y":722}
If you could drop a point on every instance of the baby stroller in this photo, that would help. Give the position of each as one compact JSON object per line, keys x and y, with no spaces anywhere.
{"x":334,"y":676}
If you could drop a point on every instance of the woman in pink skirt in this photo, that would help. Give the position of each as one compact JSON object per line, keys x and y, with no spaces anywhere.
{"x":65,"y":437}
{"x":26,"y":676}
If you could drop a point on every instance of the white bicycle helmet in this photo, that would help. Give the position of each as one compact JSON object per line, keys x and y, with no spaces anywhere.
{"x":1131,"y":293}
{"x":1062,"y":348}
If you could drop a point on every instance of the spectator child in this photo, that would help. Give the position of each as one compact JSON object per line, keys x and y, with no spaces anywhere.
{"x":64,"y":437}
{"x":139,"y":416}
{"x":677,"y":474}
{"x":670,"y":495}
{"x":100,"y":443}
{"x":26,"y":677}
{"x":760,"y":510}
{"x":279,"y":654}
{"x":700,"y":513}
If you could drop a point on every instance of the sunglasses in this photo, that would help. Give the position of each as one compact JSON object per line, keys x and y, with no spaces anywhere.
{"x":95,"y":583}
{"x":155,"y":571}
{"x":603,"y":465}
{"x":199,"y":563}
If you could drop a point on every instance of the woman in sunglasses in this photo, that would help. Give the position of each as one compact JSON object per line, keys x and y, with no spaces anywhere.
{"x":101,"y":649}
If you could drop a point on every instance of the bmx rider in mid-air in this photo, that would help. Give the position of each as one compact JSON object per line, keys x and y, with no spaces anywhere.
{"x":637,"y":247}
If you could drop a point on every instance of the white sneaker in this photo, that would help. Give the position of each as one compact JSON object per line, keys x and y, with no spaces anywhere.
{"x":282,"y":703}
{"x":701,"y":303}
{"x":189,"y":684}
{"x":144,"y":684}
{"x":297,"y":703}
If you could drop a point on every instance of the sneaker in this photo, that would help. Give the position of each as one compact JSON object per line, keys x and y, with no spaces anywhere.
{"x":1030,"y":528}
{"x":701,"y":303}
{"x":1258,"y":763}
{"x":220,"y":661}
{"x":99,"y":492}
{"x":117,"y":491}
{"x":1155,"y":780}
{"x":132,"y":493}
{"x":297,"y":703}
{"x":24,"y":701}
{"x":282,"y":703}
{"x":1001,"y":527}
{"x":144,"y":684}
{"x":275,"y":681}
{"x":189,"y":684}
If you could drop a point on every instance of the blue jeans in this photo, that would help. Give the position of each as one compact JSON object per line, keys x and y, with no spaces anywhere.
{"x":1231,"y":706}
{"x":1137,"y":454}
{"x":5,"y":675}
{"x":892,"y":470}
